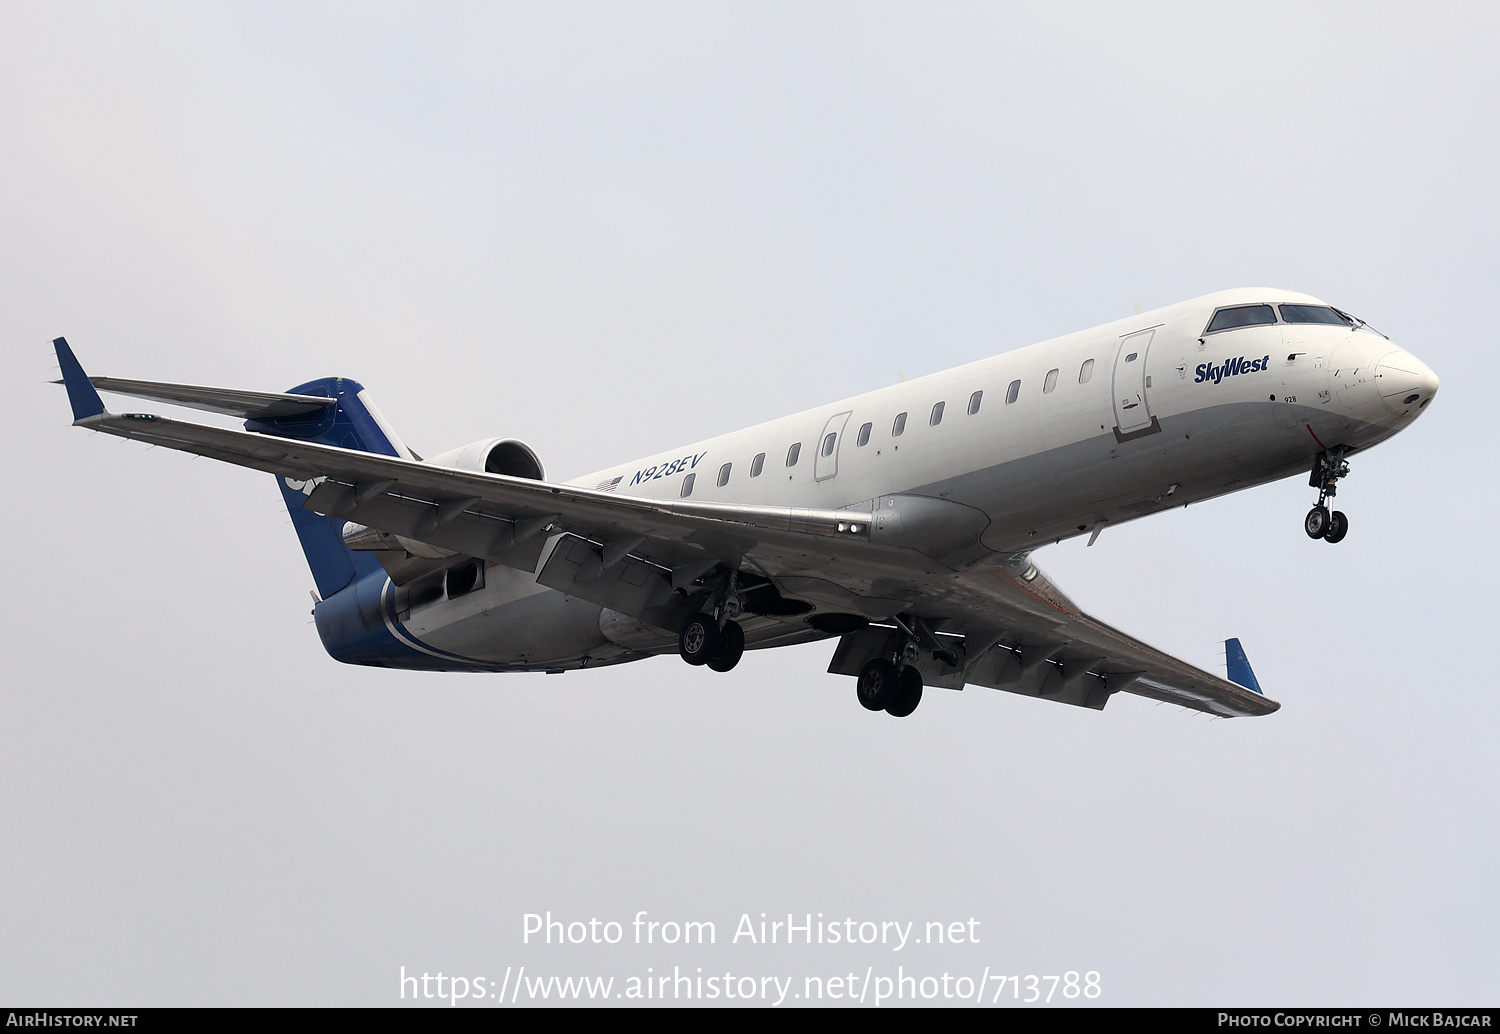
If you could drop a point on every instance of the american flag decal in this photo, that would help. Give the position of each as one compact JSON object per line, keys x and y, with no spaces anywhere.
{"x":609,"y":486}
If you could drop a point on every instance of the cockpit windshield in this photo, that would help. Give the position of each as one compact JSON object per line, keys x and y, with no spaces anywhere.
{"x":1235,"y":316}
{"x":1314,"y":314}
{"x":1241,"y":316}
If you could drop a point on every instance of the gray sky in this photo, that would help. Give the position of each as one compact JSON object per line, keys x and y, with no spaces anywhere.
{"x":610,"y":229}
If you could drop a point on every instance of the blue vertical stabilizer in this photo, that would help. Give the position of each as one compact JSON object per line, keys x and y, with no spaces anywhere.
{"x":1239,"y":666}
{"x":348,"y":425}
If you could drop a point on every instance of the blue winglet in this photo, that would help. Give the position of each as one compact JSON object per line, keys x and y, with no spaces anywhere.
{"x":81,"y":393}
{"x":1239,"y":666}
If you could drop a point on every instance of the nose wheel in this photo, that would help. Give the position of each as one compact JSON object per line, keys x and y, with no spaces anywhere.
{"x":1321,"y":523}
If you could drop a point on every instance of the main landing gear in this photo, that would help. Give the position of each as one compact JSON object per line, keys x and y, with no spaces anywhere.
{"x":716,"y":639}
{"x":881,"y":687}
{"x":1320,"y":523}
{"x":885,"y":686}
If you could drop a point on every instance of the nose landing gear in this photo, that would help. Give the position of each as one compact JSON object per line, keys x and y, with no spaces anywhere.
{"x":1319,"y":522}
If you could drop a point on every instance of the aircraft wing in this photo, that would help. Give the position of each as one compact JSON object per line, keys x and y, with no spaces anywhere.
{"x":645,"y":556}
{"x":1049,"y":647}
{"x":625,"y":552}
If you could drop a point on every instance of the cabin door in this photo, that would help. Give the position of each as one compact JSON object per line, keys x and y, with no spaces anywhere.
{"x":1132,"y":412}
{"x":829,"y":442}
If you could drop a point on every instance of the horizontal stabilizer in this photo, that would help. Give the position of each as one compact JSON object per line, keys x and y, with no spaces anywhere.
{"x":249,"y":405}
{"x":1239,"y":666}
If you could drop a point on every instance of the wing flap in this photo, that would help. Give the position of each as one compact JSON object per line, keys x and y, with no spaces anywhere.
{"x":630,"y":585}
{"x":1050,"y":648}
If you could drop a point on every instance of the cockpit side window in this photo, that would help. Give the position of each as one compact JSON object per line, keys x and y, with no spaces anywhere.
{"x":1241,"y":316}
{"x":1313,"y":314}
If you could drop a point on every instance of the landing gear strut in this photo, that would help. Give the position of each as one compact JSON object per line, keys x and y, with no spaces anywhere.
{"x":1320,"y":523}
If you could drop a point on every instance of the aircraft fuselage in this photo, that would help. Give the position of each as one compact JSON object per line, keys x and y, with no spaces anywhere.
{"x":1029,"y":447}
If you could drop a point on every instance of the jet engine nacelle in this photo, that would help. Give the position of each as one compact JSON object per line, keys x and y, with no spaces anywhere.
{"x":494,"y":456}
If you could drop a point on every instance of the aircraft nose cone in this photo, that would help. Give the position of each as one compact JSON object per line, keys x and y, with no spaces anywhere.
{"x":1405,"y":383}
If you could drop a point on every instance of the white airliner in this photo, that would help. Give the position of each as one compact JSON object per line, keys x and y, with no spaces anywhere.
{"x":900,"y":521}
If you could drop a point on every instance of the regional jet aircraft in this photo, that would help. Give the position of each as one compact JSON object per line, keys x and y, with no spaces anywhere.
{"x":900,"y":522}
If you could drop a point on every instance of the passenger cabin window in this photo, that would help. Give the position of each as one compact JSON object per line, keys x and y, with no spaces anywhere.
{"x":687,"y":485}
{"x":757,"y":464}
{"x":1313,"y":314}
{"x":829,"y":441}
{"x":899,"y":425}
{"x":937,"y":414}
{"x":1013,"y":392}
{"x":1085,"y":371}
{"x":864,"y":435}
{"x":1050,"y":382}
{"x":792,"y":454}
{"x":724,"y":474}
{"x":1131,"y":357}
{"x":1241,"y":316}
{"x":974,"y":401}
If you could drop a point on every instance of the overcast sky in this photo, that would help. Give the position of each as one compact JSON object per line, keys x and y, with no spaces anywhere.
{"x":612,"y":229}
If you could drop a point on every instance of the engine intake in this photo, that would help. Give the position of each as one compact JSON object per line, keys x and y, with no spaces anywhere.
{"x":494,"y":456}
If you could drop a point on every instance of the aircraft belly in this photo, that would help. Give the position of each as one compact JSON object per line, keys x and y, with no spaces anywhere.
{"x":1199,"y":454}
{"x":548,"y":630}
{"x":513,"y":621}
{"x":638,"y":637}
{"x":543,"y":631}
